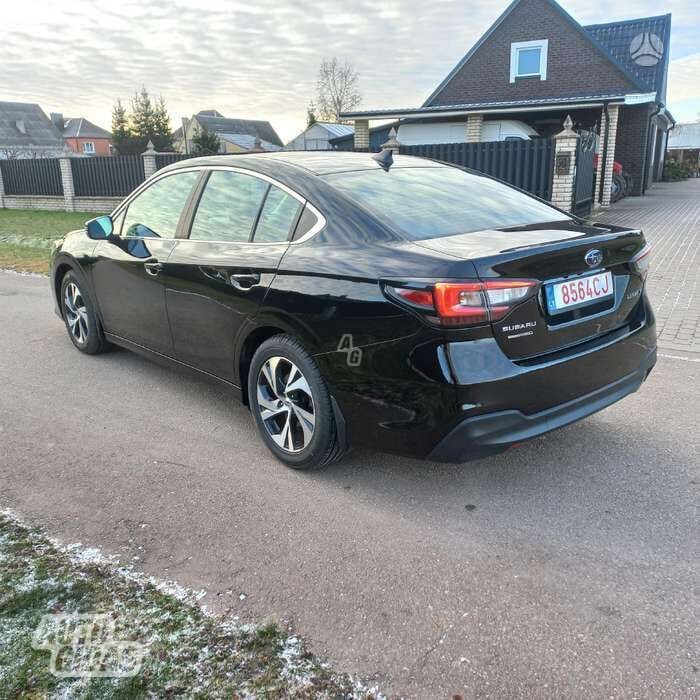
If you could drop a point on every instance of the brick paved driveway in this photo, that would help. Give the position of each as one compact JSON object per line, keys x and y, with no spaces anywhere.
{"x":670,"y":218}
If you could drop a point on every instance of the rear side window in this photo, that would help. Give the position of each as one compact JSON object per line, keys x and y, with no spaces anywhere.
{"x":307,"y":221}
{"x":430,"y":202}
{"x":156,"y":211}
{"x":278,"y":215}
{"x":228,"y":207}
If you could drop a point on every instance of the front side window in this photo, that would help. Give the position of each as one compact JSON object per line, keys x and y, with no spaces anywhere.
{"x":277,"y":216}
{"x":228,"y":207}
{"x":156,"y":211}
{"x":429,"y":202}
{"x":528,"y":59}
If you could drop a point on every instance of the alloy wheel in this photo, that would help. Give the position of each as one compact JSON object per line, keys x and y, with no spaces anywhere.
{"x":286,"y":404}
{"x":76,"y":313}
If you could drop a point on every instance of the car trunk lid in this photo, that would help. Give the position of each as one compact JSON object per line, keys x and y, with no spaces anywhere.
{"x":550,"y":254}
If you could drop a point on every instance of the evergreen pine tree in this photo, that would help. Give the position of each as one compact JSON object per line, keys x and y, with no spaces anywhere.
{"x":162,"y":136}
{"x":120,"y":127}
{"x":142,"y":115}
{"x":205,"y":143}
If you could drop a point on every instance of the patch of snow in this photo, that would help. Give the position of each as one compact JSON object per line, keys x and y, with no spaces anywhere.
{"x":22,"y":273}
{"x":298,"y":669}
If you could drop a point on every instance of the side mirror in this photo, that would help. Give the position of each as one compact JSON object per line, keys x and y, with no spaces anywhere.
{"x":100,"y":228}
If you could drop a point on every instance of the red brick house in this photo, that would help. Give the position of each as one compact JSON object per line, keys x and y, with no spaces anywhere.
{"x":82,"y":136}
{"x":537,"y":64}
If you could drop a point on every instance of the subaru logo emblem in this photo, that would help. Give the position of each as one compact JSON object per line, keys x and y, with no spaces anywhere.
{"x":593,"y":258}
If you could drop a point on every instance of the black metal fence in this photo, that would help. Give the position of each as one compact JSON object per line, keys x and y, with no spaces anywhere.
{"x":163,"y":159}
{"x":107,"y":176}
{"x":38,"y":176}
{"x":525,"y":164}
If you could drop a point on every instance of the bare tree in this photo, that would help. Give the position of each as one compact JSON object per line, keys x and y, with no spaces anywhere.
{"x":25,"y":153}
{"x":337,"y":89}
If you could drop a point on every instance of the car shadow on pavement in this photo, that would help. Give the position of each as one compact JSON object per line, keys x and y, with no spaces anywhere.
{"x":583,"y":479}
{"x":599,"y":472}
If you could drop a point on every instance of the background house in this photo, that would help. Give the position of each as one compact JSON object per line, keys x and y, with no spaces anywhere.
{"x":537,"y":64}
{"x":317,"y":136}
{"x":82,"y":136}
{"x":236,"y":135}
{"x":684,"y":146}
{"x":378,"y":135}
{"x":26,"y":132}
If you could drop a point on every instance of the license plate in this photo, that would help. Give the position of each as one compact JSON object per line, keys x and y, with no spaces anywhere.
{"x":578,"y":291}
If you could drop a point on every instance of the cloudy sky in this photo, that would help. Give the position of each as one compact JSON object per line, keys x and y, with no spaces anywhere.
{"x":259,"y":59}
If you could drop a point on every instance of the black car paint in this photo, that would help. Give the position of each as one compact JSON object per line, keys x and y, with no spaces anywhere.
{"x":416,"y":383}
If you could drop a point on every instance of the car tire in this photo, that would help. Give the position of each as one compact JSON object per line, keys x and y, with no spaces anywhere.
{"x":618,"y":188}
{"x":291,"y":405}
{"x":78,"y":311}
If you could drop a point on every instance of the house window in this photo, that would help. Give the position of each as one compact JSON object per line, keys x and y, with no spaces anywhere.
{"x":88,"y":147}
{"x":528,"y":59}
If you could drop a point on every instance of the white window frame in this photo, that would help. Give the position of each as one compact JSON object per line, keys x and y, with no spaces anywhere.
{"x":90,"y":150}
{"x":515,"y":48}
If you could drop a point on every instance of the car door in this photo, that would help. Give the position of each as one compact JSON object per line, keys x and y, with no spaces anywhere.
{"x":219,"y":274}
{"x":129,"y":272}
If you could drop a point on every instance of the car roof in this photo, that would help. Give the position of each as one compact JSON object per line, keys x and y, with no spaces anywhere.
{"x":314,"y":162}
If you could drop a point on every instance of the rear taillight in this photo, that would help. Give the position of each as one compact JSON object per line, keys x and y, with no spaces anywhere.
{"x":466,"y":303}
{"x":416,"y":297}
{"x":640,"y":262}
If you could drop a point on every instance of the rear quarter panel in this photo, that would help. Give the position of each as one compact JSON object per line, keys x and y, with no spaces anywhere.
{"x":386,"y":368}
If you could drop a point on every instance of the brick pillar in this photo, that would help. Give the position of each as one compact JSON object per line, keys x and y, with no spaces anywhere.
{"x":67,"y":181}
{"x":2,"y":192}
{"x":392,"y":143}
{"x":474,"y":122}
{"x":149,"y":160}
{"x":362,"y":133}
{"x":599,"y":164}
{"x":613,"y":113}
{"x":564,"y":167}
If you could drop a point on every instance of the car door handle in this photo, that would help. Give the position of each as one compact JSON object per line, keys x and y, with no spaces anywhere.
{"x":153,"y":268}
{"x":244,"y":280}
{"x":214,"y":274}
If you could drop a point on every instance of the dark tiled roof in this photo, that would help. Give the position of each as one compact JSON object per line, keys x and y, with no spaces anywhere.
{"x":635,"y":44}
{"x":251,"y":127}
{"x":79,"y":127}
{"x":23,"y":124}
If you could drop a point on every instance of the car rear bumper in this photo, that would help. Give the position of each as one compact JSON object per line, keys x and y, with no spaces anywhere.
{"x":460,"y":398}
{"x":491,"y":433}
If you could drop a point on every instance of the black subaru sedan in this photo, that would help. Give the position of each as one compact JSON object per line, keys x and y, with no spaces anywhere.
{"x":401,"y":304}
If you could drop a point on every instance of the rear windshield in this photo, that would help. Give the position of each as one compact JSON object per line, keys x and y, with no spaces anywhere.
{"x":431,"y":202}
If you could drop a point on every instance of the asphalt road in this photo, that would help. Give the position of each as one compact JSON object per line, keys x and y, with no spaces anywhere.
{"x":566,"y":568}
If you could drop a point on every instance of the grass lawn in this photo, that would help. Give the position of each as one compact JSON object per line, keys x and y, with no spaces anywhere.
{"x":26,"y":236}
{"x":185,"y":652}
